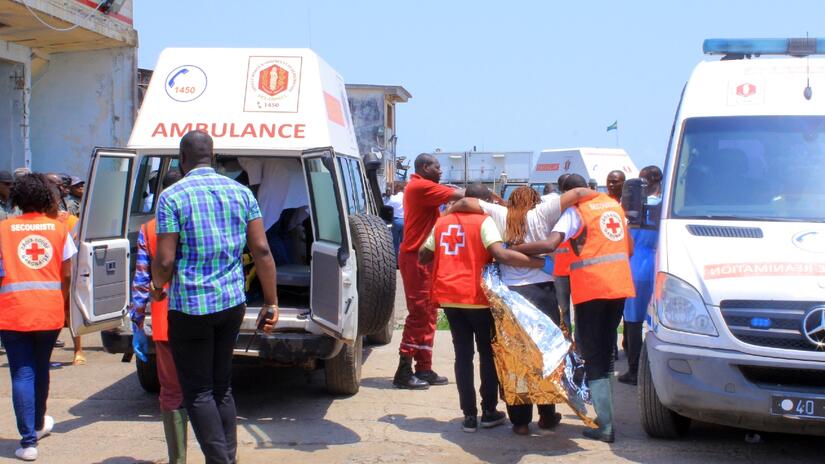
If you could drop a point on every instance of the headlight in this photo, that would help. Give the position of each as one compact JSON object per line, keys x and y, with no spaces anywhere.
{"x":680,"y":306}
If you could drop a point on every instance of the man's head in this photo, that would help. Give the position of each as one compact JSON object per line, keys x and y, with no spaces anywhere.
{"x":573,"y":181}
{"x":560,"y":182}
{"x":653,"y":176}
{"x":615,"y":182}
{"x":77,"y":186}
{"x":478,"y":190}
{"x":428,"y":167}
{"x":548,"y":189}
{"x":6,"y":181}
{"x":59,"y":182}
{"x":195,"y":151}
{"x":170,"y":178}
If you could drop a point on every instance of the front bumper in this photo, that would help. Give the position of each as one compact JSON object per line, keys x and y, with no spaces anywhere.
{"x":709,"y":385}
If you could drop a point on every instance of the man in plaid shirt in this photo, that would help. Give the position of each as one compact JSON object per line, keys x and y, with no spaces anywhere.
{"x":204,"y":221}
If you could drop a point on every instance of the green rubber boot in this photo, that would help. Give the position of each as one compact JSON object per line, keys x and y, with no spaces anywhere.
{"x":175,"y":427}
{"x":601,"y":392}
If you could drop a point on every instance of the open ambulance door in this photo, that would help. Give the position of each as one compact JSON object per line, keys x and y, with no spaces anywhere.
{"x":99,"y":292}
{"x":333,"y":297}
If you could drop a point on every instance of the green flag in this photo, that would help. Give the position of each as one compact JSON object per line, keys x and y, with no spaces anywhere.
{"x":614,"y":126}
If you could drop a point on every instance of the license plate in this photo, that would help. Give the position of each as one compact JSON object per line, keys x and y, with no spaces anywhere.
{"x":799,"y":407}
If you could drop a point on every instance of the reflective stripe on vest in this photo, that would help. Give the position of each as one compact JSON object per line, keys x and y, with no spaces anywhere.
{"x":26,"y":286}
{"x":598,"y":260}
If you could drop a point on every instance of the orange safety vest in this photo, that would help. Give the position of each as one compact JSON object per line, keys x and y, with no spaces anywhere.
{"x":601,"y":269}
{"x":460,"y":256}
{"x":562,"y":259}
{"x":31,"y":296}
{"x":158,"y":309}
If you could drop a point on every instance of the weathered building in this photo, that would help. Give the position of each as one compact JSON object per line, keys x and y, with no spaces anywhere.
{"x":373,"y":114}
{"x":67,"y":81}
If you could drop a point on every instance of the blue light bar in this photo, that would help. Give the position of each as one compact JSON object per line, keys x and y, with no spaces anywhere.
{"x":790,"y":47}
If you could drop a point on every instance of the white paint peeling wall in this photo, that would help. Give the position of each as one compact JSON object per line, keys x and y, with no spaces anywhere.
{"x":81,"y":100}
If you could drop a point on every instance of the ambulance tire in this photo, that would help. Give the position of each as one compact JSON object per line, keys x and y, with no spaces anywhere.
{"x":147,"y":374}
{"x":374,"y":254}
{"x":343,"y":372}
{"x":657,"y":420}
{"x":383,"y":336}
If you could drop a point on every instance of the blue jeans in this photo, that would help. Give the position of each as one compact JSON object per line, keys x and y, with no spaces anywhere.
{"x":278,"y":244}
{"x":397,"y":233}
{"x":29,"y":354}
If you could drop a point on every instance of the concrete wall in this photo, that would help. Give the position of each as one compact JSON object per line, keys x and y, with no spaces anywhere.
{"x":12,"y":122}
{"x":367,"y":108}
{"x":81,"y":100}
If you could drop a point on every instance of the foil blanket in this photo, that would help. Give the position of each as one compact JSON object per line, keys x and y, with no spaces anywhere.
{"x":536,"y":363}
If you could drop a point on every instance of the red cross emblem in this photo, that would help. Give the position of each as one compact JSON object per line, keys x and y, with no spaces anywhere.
{"x":611,"y":225}
{"x":745,"y":90}
{"x":452,"y":240}
{"x":35,"y":251}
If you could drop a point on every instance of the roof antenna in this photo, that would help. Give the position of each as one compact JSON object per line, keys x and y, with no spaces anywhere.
{"x":808,"y":93}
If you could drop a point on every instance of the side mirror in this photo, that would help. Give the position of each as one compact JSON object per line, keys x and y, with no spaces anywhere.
{"x":371,"y":162}
{"x":634,"y":194}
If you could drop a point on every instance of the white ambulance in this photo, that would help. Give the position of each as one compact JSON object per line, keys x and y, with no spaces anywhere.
{"x":280,"y":120}
{"x":737,"y":319}
{"x":590,"y":163}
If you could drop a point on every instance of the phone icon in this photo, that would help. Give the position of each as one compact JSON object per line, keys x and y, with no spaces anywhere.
{"x":172,"y":80}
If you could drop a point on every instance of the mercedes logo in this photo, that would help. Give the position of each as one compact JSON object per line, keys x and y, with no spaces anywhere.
{"x":813,"y":326}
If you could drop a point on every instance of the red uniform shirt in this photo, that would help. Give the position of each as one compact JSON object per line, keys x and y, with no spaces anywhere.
{"x":422,"y":198}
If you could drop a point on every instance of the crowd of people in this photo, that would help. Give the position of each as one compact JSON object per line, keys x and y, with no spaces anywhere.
{"x":574,"y":246}
{"x":551,"y":249}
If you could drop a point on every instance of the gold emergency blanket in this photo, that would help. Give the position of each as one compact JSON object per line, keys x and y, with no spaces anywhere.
{"x":534,"y":360}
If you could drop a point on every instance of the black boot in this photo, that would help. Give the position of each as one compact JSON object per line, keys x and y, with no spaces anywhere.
{"x":404,"y":377}
{"x":633,"y":335}
{"x":431,"y":377}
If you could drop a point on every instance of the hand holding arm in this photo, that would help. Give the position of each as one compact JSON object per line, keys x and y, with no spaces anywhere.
{"x":541,"y":247}
{"x":513,"y":258}
{"x":572,"y":197}
{"x":465,"y":205}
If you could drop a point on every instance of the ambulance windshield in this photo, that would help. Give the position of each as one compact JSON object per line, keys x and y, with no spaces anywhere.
{"x":751,"y":168}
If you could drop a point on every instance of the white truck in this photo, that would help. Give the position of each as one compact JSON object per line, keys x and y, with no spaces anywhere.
{"x":260,"y":106}
{"x":590,"y":163}
{"x":737,"y":319}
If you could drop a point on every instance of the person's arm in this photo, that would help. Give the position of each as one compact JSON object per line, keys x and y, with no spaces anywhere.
{"x":498,"y":200}
{"x":572,"y":197}
{"x":541,"y":247}
{"x":465,"y":205}
{"x":427,"y":251}
{"x":512,"y":257}
{"x":69,"y":250}
{"x":265,"y":267}
{"x":140,"y":283}
{"x":168,"y":235}
{"x":436,"y":194}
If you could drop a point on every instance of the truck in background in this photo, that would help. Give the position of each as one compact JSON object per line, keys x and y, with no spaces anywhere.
{"x":591,"y":163}
{"x":495,"y":169}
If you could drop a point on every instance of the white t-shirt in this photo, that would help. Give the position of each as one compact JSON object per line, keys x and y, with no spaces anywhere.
{"x":397,"y":203}
{"x":550,"y":196}
{"x":281,"y":185}
{"x":569,"y":223}
{"x":539,"y":222}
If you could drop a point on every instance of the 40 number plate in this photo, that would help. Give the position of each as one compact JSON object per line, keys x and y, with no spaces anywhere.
{"x":813,"y":408}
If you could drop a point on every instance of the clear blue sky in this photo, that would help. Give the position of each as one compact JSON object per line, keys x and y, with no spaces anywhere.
{"x":498,"y":75}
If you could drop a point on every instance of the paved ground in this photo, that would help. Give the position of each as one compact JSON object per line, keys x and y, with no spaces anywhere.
{"x":104,"y":417}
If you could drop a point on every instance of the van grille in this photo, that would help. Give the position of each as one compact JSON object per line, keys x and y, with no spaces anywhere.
{"x":784,"y":331}
{"x":725,"y":231}
{"x":784,"y":377}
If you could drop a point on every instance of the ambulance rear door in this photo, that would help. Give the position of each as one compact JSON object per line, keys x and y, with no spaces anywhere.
{"x":100,"y":272}
{"x":333,"y":296}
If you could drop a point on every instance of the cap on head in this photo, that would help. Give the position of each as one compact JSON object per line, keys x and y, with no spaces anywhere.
{"x":6,"y":177}
{"x":76,"y":181}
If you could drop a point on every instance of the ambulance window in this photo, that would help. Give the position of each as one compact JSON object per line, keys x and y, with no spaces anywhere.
{"x":109,"y":184}
{"x":349,"y":190}
{"x":358,"y":182}
{"x":324,"y":204}
{"x":143,"y":201}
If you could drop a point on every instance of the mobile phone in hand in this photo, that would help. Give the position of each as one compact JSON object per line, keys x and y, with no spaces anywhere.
{"x":263,"y":318}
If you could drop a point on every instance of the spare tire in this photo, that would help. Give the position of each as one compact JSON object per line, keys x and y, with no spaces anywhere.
{"x":375,"y":257}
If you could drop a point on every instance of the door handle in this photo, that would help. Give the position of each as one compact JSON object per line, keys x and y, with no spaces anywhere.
{"x":100,"y":247}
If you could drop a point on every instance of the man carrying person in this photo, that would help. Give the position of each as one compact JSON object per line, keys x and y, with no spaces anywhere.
{"x":207,"y":302}
{"x":422,"y":198}
{"x":174,"y":415}
{"x":459,"y":246}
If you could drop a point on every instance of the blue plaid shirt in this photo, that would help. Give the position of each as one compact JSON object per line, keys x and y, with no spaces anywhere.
{"x":211,"y":213}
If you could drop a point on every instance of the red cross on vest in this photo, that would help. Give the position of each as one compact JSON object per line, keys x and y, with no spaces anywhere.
{"x":613,"y":225}
{"x":35,"y":251}
{"x":452,"y":240}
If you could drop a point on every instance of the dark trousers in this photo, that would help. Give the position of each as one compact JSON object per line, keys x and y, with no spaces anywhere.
{"x":466,"y":324}
{"x":29,"y":354}
{"x":202,"y":349}
{"x":543,"y":297}
{"x":633,"y":338}
{"x":596,"y":324}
